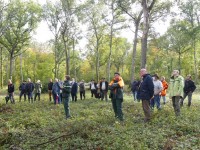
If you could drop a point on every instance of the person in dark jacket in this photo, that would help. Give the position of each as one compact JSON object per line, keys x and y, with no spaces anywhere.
{"x":104,"y":89}
{"x":50,"y":85}
{"x":56,"y":91}
{"x":22,"y":89}
{"x":116,"y":95}
{"x":82,"y":89}
{"x":134,"y":88}
{"x":74,"y":90}
{"x":29,"y":89}
{"x":189,"y":88}
{"x":11,"y":90}
{"x":146,"y":92}
{"x":66,"y":90}
{"x":93,"y":88}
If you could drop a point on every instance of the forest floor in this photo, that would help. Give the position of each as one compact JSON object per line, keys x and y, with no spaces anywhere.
{"x":42,"y":125}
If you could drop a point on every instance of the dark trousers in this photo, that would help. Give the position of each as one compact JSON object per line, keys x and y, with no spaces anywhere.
{"x":176,"y":104}
{"x":93,"y":93}
{"x":66,"y":105}
{"x":82,"y":94}
{"x":11,"y":97}
{"x":21,"y":94}
{"x":30,"y":96}
{"x":56,"y":98}
{"x":37,"y":95}
{"x":155,"y":100}
{"x":104,"y":94}
{"x":146,"y":109}
{"x":74,"y":97}
{"x":50,"y":93}
{"x":189,"y":95}
{"x":117,"y":107}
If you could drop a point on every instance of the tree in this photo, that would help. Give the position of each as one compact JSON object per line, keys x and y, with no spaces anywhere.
{"x":21,"y":19}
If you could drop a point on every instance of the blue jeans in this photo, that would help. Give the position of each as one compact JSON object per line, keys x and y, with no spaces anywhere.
{"x":156,"y":100}
{"x":135,"y":95}
{"x":66,"y":106}
{"x":117,"y":107}
{"x":30,"y":96}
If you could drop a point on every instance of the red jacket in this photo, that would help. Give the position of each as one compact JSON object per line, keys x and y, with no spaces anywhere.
{"x":165,"y":87}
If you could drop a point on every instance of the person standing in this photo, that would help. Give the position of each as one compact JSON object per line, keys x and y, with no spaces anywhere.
{"x":134,"y":88}
{"x":74,"y":90}
{"x":82,"y":89}
{"x":66,"y":90}
{"x":116,"y":87}
{"x":189,"y":88}
{"x":29,"y":88}
{"x":56,"y":91}
{"x":38,"y":89}
{"x":145,"y":93}
{"x":93,"y":88}
{"x":22,"y":89}
{"x":50,"y":85}
{"x":164,"y":90}
{"x":157,"y":90}
{"x":176,"y":86}
{"x":104,"y":89}
{"x":11,"y":89}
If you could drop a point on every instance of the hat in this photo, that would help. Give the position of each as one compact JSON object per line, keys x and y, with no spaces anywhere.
{"x":117,"y":73}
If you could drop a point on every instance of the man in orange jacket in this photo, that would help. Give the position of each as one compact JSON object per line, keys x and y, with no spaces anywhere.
{"x":164,"y":90}
{"x":116,"y":94}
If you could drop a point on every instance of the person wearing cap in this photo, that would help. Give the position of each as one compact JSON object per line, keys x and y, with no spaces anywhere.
{"x":66,"y":91}
{"x":189,"y":88}
{"x":176,"y":90}
{"x":82,"y":89}
{"x":38,"y":89}
{"x":104,"y":89}
{"x":116,"y":95}
{"x":157,"y":90}
{"x":145,"y":93}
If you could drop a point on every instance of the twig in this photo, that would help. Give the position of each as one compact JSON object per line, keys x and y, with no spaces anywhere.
{"x":65,"y":135}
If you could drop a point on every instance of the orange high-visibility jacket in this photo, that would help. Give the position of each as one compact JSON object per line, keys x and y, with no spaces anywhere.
{"x":120,"y":82}
{"x":165,"y":87}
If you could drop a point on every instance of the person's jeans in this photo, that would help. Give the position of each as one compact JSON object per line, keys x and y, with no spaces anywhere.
{"x":50,"y":93}
{"x":189,"y":99}
{"x":146,"y":109}
{"x":117,"y":107}
{"x":74,"y":97}
{"x":56,"y":98}
{"x":164,"y":99}
{"x":11,"y":97}
{"x":155,"y":100}
{"x":176,"y":104}
{"x":21,"y":94}
{"x":135,"y":95}
{"x":104,"y":94}
{"x":66,"y":106}
{"x":30,"y":96}
{"x":82,"y":94}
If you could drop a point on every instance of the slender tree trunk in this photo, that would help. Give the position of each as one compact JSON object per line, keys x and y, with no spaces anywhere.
{"x":179,"y":62}
{"x":195,"y":61}
{"x":55,"y":66}
{"x":145,"y":33}
{"x":21,"y":71}
{"x":97,"y":62}
{"x":11,"y":66}
{"x":134,"y":52}
{"x":1,"y":67}
{"x":110,"y":53}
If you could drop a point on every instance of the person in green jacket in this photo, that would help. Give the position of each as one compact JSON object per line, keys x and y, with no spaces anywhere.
{"x":176,"y":90}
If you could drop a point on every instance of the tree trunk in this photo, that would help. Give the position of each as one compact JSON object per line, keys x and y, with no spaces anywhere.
{"x":1,"y":67}
{"x":97,"y":63}
{"x":195,"y":61}
{"x":21,"y":71}
{"x":179,"y":62}
{"x":110,"y":53}
{"x":145,"y":33}
{"x":134,"y":51}
{"x":55,"y":65}
{"x":11,"y":66}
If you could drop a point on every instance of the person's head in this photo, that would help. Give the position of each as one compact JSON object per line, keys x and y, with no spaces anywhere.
{"x":155,"y":77}
{"x":92,"y":81}
{"x":50,"y":80}
{"x":24,"y":81}
{"x":73,"y":80}
{"x":117,"y":76}
{"x":82,"y":80}
{"x":175,"y":73}
{"x":189,"y":77}
{"x":56,"y":80}
{"x":38,"y":81}
{"x":143,"y":71}
{"x":103,"y":79}
{"x":162,"y":78}
{"x":9,"y":81}
{"x":29,"y":80}
{"x":67,"y":77}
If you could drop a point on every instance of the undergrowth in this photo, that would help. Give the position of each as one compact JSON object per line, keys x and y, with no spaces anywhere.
{"x":42,"y":125}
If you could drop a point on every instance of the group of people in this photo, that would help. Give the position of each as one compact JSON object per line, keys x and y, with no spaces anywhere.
{"x":26,"y":89}
{"x":150,"y":89}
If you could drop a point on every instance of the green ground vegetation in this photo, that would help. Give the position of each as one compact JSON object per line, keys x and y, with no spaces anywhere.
{"x":42,"y":125}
